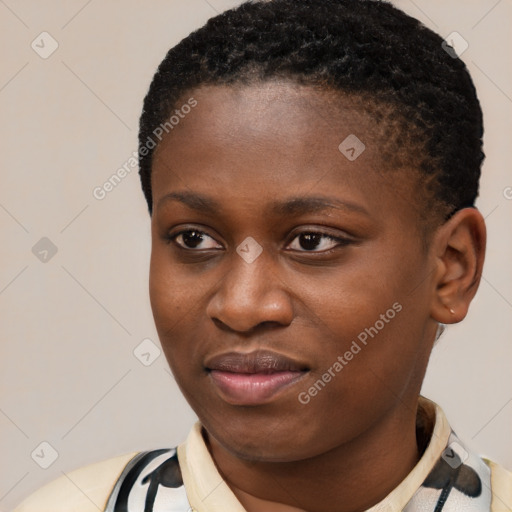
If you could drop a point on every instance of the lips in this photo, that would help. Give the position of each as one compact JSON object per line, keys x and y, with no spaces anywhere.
{"x":261,"y":361}
{"x":253,"y":378}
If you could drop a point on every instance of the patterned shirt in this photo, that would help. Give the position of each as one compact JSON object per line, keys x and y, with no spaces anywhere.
{"x":448,"y":478}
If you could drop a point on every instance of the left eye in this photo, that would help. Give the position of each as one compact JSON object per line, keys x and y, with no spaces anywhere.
{"x":315,"y":242}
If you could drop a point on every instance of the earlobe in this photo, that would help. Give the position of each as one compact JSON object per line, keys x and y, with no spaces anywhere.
{"x":459,"y":250}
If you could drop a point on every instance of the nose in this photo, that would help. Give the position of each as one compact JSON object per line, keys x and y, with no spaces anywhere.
{"x":250,"y":294}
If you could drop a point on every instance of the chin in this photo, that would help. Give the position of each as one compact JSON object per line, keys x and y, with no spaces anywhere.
{"x":264,"y":451}
{"x":274,"y":443}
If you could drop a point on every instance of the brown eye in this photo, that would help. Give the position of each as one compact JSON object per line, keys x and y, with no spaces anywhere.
{"x":311,"y":241}
{"x":194,"y":239}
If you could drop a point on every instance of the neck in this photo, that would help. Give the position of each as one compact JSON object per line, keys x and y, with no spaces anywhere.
{"x":349,"y":478}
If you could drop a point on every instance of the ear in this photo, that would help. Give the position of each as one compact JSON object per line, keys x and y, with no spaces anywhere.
{"x":458,"y":249}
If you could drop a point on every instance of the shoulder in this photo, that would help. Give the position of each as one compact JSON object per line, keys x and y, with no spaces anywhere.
{"x":148,"y":480}
{"x":501,"y":487}
{"x":84,"y":490}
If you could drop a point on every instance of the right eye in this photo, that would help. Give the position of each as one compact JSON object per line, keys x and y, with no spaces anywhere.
{"x":191,"y":239}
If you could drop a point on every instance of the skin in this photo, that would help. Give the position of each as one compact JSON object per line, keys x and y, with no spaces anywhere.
{"x":247,"y":148}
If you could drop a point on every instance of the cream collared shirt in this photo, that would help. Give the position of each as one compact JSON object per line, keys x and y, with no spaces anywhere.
{"x":88,"y":489}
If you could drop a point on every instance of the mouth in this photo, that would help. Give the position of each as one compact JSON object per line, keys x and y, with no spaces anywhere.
{"x":253,"y":378}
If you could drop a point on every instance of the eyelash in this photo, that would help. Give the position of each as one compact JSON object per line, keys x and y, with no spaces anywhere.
{"x":340,"y":241}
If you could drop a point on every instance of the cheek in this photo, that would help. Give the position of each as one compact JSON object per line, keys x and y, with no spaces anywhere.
{"x":369,"y":333}
{"x":171,"y":300}
{"x":163,"y":292}
{"x":171,"y":295}
{"x":178,"y":302}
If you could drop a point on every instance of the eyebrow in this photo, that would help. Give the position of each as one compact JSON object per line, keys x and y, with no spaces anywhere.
{"x":193,"y":200}
{"x":292,"y":206}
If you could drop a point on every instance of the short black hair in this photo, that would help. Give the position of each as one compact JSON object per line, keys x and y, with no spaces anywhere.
{"x":365,"y":49}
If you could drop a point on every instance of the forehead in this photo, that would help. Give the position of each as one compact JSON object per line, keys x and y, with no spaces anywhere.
{"x":264,"y":140}
{"x":262,"y":111}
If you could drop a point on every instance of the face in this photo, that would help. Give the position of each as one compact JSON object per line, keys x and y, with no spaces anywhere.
{"x":288,"y":282}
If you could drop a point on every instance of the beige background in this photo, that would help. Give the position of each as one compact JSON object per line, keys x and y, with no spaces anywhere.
{"x":69,"y":325}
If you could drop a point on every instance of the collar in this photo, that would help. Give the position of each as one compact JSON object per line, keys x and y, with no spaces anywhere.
{"x":208,"y":492}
